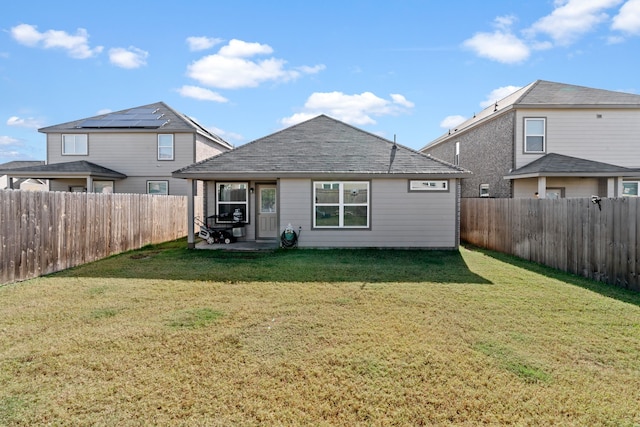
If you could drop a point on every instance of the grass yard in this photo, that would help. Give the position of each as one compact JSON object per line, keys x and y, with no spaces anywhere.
{"x":167,"y":336}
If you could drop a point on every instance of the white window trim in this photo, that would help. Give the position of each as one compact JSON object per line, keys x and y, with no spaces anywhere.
{"x":543,"y":135}
{"x":233,"y":202}
{"x":429,"y":185}
{"x":341,"y":205}
{"x":160,"y":158}
{"x":158,"y":182}
{"x":456,"y":155}
{"x":75,"y":137}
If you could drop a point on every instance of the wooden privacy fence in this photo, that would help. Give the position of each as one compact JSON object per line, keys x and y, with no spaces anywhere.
{"x":42,"y":232}
{"x":595,"y":240}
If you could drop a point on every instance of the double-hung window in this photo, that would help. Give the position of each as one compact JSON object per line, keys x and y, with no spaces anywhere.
{"x":75,"y":144}
{"x":341,"y":204}
{"x":232,"y":201}
{"x":165,"y":146}
{"x":535,"y":135}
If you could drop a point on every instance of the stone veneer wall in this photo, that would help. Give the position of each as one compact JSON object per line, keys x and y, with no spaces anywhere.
{"x":487,"y":151}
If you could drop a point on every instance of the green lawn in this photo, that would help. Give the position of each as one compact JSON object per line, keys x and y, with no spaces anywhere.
{"x":167,"y":336}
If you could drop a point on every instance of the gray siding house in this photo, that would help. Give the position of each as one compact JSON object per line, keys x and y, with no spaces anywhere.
{"x":549,"y":140}
{"x":129,"y":151}
{"x":338,"y":185}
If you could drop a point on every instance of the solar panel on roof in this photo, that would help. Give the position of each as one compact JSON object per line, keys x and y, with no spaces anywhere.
{"x":142,"y":111}
{"x":134,"y":118}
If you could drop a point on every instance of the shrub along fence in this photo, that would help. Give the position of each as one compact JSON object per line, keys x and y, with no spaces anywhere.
{"x":595,"y":240}
{"x":42,"y":232}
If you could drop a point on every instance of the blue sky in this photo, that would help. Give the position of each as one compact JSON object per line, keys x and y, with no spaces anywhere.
{"x":245,"y":69}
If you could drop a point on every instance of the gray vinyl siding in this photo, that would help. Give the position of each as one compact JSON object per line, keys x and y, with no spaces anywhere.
{"x":399,"y":218}
{"x":573,"y":187}
{"x":487,"y":151}
{"x":614,"y":138}
{"x":133,"y":154}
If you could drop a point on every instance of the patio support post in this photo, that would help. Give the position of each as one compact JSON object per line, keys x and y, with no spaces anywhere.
{"x":619,"y":187}
{"x":89,"y":184}
{"x":542,"y":187}
{"x":191,"y":238}
{"x":611,"y":187}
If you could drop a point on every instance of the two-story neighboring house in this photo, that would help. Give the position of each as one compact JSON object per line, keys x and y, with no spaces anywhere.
{"x":549,"y":140}
{"x":129,"y":151}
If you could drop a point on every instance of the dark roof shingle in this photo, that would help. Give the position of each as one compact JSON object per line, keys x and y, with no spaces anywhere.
{"x":554,"y":164}
{"x":321,"y":145}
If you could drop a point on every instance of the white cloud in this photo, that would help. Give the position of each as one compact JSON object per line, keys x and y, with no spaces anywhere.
{"x":628,"y":18}
{"x":227,"y":136}
{"x":29,"y":123}
{"x":202,"y":43}
{"x":571,"y":19}
{"x":498,"y":94}
{"x":499,"y":46}
{"x":401,"y":100}
{"x":201,"y":94}
{"x":450,"y":122}
{"x":131,"y":57}
{"x":241,"y":49}
{"x":358,"y":109}
{"x":104,"y":111}
{"x":7,"y":140}
{"x":232,"y":68}
{"x":77,"y":46}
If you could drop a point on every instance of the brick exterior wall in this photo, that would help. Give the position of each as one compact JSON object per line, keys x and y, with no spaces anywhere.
{"x":487,"y":151}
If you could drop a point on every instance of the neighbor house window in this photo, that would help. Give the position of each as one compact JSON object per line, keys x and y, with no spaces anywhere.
{"x":484,"y":190}
{"x":232,"y":200}
{"x":75,"y":145}
{"x":456,"y":154}
{"x":103,"y":187}
{"x":534,"y":135}
{"x":630,"y":188}
{"x":341,"y":204}
{"x":165,"y":146}
{"x":158,"y":187}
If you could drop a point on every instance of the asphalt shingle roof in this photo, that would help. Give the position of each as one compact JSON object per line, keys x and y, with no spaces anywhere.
{"x":20,"y":164}
{"x":558,"y":164}
{"x":545,"y":94}
{"x":321,"y":145}
{"x":80,"y":168}
{"x":174,"y":122}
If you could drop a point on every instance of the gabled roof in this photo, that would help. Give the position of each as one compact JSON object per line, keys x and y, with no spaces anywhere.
{"x":319,"y":146}
{"x":551,"y":95}
{"x":156,"y":117}
{"x":80,"y":168}
{"x":553,"y":164}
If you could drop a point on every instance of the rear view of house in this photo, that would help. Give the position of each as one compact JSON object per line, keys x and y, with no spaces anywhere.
{"x":549,"y":140}
{"x":339,"y":185}
{"x":129,"y":151}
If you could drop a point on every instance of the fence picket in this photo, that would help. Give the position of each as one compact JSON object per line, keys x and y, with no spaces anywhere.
{"x":575,"y":235}
{"x":44,"y":232}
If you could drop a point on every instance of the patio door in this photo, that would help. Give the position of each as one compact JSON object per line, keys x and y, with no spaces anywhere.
{"x":267,"y":212}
